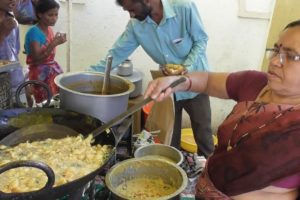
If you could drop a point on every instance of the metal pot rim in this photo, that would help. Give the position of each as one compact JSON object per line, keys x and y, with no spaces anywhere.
{"x":164,"y":145}
{"x":58,"y":79}
{"x":136,"y":75}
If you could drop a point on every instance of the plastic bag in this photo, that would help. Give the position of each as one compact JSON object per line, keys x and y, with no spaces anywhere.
{"x":144,"y":138}
{"x":161,"y":116}
{"x":25,"y":12}
{"x":156,"y":121}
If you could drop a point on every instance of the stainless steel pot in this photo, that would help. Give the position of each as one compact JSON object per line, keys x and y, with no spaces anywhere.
{"x":162,"y":151}
{"x":146,"y":168}
{"x":81,"y":92}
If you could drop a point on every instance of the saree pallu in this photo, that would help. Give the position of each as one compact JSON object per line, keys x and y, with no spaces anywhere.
{"x":205,"y":189}
{"x":45,"y":73}
{"x":265,"y":140}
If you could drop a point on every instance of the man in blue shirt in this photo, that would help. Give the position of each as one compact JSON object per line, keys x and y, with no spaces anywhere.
{"x":170,"y":32}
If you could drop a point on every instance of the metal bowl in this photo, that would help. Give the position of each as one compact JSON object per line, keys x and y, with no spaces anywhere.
{"x":173,"y":69}
{"x":160,"y":151}
{"x":146,"y":168}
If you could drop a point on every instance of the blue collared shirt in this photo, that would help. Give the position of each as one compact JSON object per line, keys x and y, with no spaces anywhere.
{"x":179,"y":39}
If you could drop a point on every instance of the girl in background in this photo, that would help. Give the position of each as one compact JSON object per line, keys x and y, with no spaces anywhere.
{"x":40,"y":45}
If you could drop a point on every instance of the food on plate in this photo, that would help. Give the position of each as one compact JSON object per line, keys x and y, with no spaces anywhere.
{"x":4,"y":62}
{"x":174,"y":69}
{"x":145,"y":188}
{"x":70,"y":158}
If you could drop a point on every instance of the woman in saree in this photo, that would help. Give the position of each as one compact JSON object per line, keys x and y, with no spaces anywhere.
{"x":40,"y":47}
{"x":258,"y":151}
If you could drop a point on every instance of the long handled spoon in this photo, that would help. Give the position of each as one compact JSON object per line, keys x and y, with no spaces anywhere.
{"x":105,"y":86}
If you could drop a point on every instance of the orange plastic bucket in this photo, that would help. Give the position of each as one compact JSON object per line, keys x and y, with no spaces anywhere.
{"x":147,"y":109}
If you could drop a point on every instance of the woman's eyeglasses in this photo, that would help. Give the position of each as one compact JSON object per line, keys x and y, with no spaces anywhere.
{"x":283,"y":55}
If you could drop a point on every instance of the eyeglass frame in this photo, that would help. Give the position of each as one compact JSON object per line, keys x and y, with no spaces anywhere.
{"x":282,"y":55}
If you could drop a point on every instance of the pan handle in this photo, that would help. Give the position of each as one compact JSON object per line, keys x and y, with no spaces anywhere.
{"x":37,"y":83}
{"x":121,"y":130}
{"x":28,"y":163}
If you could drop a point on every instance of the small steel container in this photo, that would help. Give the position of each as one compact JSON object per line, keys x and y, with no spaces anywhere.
{"x":171,"y":153}
{"x":125,"y":68}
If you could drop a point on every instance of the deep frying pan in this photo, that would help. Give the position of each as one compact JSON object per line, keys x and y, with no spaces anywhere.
{"x":25,"y":134}
{"x":14,"y":119}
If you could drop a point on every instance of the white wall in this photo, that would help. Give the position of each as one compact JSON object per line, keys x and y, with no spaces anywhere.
{"x":235,"y":43}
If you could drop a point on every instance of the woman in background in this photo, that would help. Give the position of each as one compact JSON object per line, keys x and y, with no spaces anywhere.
{"x":40,"y":45}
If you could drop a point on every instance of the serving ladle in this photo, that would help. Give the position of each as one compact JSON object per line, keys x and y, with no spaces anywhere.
{"x":44,"y":131}
{"x":106,"y":80}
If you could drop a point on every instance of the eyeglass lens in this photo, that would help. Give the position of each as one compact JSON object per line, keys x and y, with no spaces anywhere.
{"x":272,"y":53}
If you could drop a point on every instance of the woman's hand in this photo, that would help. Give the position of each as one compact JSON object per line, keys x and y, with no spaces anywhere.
{"x":155,"y":87}
{"x":59,"y":38}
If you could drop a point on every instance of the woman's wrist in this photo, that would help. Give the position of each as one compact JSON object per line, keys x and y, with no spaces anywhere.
{"x":189,"y":82}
